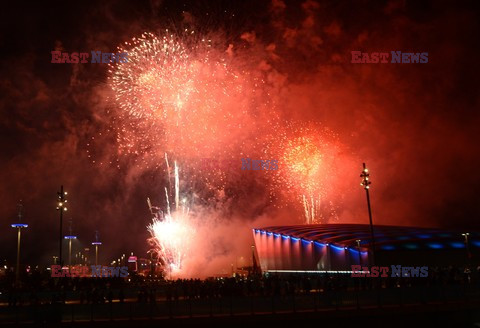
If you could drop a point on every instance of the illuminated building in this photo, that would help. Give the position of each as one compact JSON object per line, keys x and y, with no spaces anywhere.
{"x":335,"y":247}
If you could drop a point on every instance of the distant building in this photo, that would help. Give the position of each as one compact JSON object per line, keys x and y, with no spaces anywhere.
{"x":334,"y":247}
{"x":132,"y":263}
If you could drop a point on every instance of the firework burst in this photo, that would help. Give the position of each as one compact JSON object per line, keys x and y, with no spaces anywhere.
{"x":171,"y":229}
{"x":178,"y":94}
{"x":309,"y":161}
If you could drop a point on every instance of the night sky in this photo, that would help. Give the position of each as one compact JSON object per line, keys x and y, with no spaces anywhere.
{"x":415,"y":125}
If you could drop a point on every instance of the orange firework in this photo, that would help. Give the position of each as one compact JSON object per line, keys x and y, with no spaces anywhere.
{"x":179,"y":94}
{"x":308,"y":170}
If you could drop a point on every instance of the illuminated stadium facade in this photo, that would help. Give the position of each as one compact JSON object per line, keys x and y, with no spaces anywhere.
{"x":335,"y":247}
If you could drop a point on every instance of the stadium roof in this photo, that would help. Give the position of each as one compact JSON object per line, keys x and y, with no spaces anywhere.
{"x":387,"y":238}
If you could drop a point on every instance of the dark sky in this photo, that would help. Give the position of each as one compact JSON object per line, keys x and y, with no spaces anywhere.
{"x":416,"y":125}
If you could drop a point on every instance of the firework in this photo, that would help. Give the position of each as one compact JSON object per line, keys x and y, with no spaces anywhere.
{"x":171,"y":230}
{"x":178,"y":94}
{"x":309,"y":160}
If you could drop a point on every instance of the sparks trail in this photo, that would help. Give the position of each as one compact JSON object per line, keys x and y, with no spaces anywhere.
{"x":171,"y":230}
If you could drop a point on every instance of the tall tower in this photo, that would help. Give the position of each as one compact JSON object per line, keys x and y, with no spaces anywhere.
{"x":97,"y":243}
{"x":70,"y":237}
{"x":19,"y":227}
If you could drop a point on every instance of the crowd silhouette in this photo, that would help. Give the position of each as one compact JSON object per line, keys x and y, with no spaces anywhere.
{"x":39,"y":288}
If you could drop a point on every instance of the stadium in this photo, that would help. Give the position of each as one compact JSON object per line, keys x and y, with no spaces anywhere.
{"x":336,"y":247}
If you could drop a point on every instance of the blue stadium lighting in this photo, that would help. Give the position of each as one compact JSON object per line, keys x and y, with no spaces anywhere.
{"x":355,"y":241}
{"x":337,"y":248}
{"x":70,"y":237}
{"x":96,"y":243}
{"x":435,"y":245}
{"x":19,"y":225}
{"x":424,"y":236}
{"x":475,"y":243}
{"x":352,"y":250}
{"x":311,"y":271}
{"x":457,"y":245}
{"x":387,"y":247}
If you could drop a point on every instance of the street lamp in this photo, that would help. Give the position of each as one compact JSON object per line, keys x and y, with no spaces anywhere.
{"x":70,"y":238}
{"x":359,"y":252}
{"x":96,"y":243}
{"x":61,"y":206}
{"x":366,"y":185}
{"x":465,"y":235}
{"x":19,"y":227}
{"x":86,"y":252}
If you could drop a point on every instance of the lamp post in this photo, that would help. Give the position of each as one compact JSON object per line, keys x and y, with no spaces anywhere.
{"x":70,"y":238}
{"x":366,"y":185}
{"x":465,"y":235}
{"x":359,"y":252}
{"x":61,"y":206}
{"x":19,"y":227}
{"x":86,"y":252}
{"x":96,"y":243}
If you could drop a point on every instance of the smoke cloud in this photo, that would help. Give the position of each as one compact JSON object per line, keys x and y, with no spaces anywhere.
{"x":415,"y":125}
